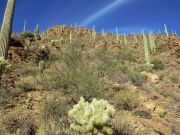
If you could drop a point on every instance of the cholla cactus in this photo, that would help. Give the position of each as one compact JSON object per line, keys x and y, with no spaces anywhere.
{"x":4,"y":65}
{"x":92,"y":118}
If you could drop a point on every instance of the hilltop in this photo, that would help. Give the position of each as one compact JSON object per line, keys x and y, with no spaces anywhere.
{"x":83,"y":62}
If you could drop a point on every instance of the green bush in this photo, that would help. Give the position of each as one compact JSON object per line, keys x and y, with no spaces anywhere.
{"x":18,"y":126}
{"x":55,"y":117}
{"x":175,"y":79}
{"x":73,"y":75}
{"x":135,"y":77}
{"x":27,"y":34}
{"x":157,"y":64}
{"x":4,"y":66}
{"x":8,"y":96}
{"x":125,"y":99}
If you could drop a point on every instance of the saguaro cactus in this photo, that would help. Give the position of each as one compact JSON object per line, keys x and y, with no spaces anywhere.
{"x":36,"y":32}
{"x":24,"y":30}
{"x":166,"y":30}
{"x":117,"y":35}
{"x":125,"y":40}
{"x":94,"y":32}
{"x":146,"y":50}
{"x":70,"y":37}
{"x":152,"y":43}
{"x":103,"y":32}
{"x":6,"y":28}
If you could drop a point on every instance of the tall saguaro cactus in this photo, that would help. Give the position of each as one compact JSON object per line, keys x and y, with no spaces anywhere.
{"x":6,"y":28}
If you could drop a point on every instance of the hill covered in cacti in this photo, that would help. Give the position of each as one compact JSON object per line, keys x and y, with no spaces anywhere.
{"x":48,"y":75}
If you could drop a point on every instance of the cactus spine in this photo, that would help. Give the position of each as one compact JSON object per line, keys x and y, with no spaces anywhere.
{"x":6,"y":28}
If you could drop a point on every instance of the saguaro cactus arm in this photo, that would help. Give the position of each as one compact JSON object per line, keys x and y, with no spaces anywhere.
{"x":6,"y":28}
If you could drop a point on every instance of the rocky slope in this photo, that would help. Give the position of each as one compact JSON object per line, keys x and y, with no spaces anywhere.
{"x":31,"y":102}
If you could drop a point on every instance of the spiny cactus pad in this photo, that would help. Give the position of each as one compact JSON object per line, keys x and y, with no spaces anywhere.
{"x":92,"y":117}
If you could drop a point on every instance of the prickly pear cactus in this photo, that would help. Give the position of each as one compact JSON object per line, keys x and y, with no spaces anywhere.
{"x":92,"y":118}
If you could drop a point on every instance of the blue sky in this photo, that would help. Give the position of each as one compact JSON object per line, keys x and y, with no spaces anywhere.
{"x":128,"y":15}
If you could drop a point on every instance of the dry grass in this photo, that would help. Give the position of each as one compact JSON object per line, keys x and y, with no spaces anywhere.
{"x":125,"y":99}
{"x":54,"y":117}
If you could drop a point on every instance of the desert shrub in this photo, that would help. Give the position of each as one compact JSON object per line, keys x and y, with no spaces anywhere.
{"x":27,"y":34}
{"x":135,"y":76}
{"x":169,"y":93}
{"x":54,"y":117}
{"x":28,"y":83}
{"x":106,"y":61}
{"x":162,"y":48}
{"x":125,"y":99}
{"x":20,"y":126}
{"x":4,"y":97}
{"x":175,"y":79}
{"x":8,"y":96}
{"x":54,"y":109}
{"x":143,"y":68}
{"x":118,"y":77}
{"x":157,"y":64}
{"x":25,"y":69}
{"x":4,"y":66}
{"x":125,"y":124}
{"x":128,"y":55}
{"x":143,"y":114}
{"x":74,"y":75}
{"x":122,"y":67}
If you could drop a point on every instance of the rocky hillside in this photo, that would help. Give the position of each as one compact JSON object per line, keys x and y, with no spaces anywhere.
{"x":81,"y":62}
